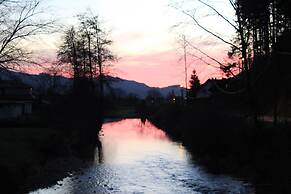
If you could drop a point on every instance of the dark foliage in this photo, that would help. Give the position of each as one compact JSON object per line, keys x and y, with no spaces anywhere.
{"x":194,"y":86}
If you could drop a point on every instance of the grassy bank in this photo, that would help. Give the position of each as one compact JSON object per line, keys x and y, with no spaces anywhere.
{"x":227,"y":143}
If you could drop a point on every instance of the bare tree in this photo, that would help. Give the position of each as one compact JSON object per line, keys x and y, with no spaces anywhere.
{"x":19,"y":21}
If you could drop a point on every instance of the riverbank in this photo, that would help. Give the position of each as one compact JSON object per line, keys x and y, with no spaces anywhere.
{"x":33,"y":157}
{"x":41,"y":150}
{"x":121,"y":112}
{"x":225,"y":143}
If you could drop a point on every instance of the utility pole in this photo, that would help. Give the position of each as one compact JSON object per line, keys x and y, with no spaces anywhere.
{"x":185,"y":63}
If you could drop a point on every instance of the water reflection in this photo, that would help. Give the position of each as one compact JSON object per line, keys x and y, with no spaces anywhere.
{"x":139,"y":158}
{"x":98,"y":156}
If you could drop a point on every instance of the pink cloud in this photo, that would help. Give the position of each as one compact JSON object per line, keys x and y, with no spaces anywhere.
{"x":160,"y":69}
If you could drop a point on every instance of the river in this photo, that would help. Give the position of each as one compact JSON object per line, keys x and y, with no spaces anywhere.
{"x":140,"y":158}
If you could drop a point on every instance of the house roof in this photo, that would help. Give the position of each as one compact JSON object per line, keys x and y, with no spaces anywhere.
{"x":21,"y":92}
{"x":18,"y":98}
{"x":13,"y":84}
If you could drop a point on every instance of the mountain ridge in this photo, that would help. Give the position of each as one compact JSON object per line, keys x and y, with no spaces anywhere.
{"x":122,"y":87}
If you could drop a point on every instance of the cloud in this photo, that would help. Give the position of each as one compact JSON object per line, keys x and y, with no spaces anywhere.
{"x":129,"y":36}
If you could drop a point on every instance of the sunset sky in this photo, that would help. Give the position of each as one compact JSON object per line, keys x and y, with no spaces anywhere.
{"x":144,"y":37}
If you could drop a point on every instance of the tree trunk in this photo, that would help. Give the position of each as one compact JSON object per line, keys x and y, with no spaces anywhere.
{"x":245,"y":64}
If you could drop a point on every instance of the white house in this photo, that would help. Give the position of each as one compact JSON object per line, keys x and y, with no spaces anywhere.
{"x":15,"y":100}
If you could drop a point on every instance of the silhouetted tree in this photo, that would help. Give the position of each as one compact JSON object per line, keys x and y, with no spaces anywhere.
{"x":70,"y":52}
{"x":98,"y":43}
{"x":86,"y":48}
{"x":268,"y":21}
{"x":194,"y":86}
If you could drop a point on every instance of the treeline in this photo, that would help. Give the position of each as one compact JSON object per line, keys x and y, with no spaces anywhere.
{"x":264,"y":34}
{"x":260,"y":52}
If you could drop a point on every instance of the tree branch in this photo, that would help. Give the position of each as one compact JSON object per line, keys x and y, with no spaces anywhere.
{"x":19,"y":26}
{"x":208,"y":31}
{"x":213,"y":59}
{"x":218,"y":13}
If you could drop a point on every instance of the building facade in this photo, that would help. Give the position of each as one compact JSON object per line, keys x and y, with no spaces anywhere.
{"x":16,"y":100}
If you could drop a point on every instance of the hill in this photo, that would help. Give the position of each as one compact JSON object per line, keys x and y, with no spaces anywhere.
{"x":115,"y":85}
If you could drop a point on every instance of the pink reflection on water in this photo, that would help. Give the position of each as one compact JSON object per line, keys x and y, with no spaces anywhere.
{"x":131,"y":129}
{"x":129,"y":141}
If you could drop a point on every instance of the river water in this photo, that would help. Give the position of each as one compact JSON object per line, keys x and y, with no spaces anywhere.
{"x":140,"y":158}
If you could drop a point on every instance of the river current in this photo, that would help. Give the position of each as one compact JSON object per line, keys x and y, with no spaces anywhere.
{"x":140,"y":158}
